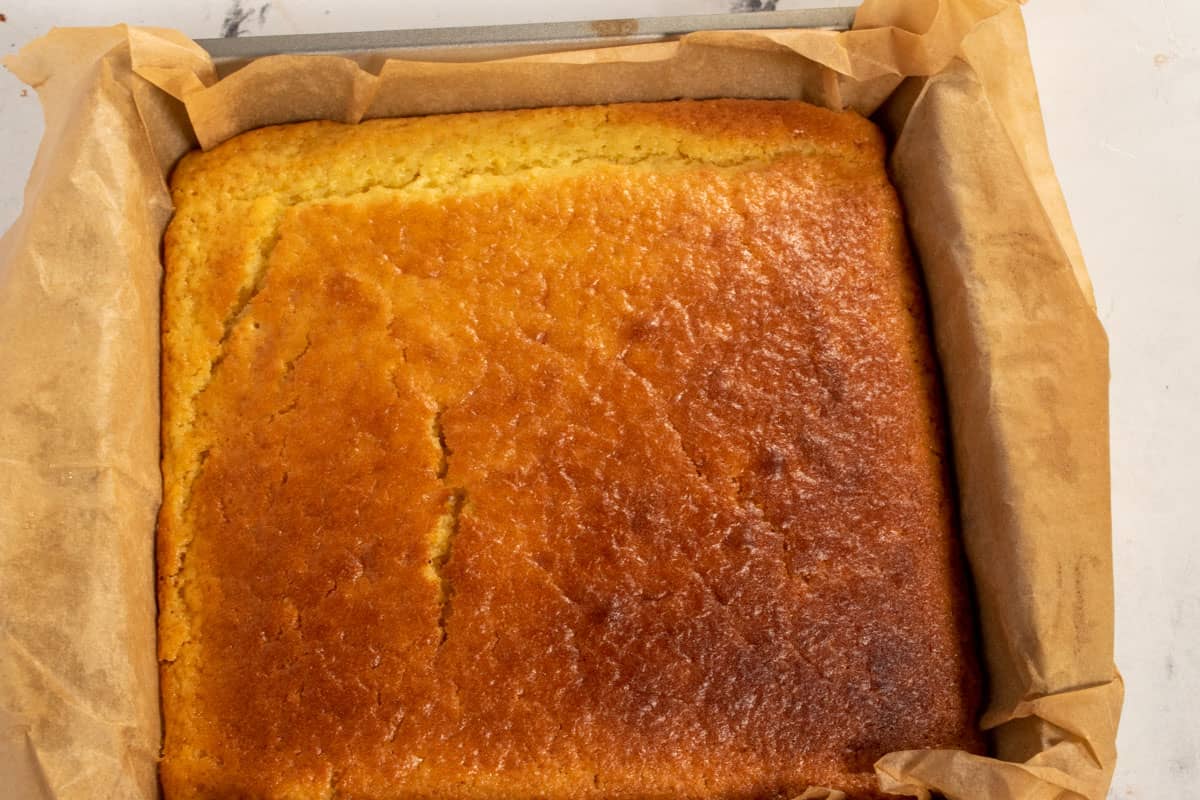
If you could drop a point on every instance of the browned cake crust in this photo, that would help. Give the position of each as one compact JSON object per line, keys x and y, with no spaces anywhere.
{"x":586,"y":452}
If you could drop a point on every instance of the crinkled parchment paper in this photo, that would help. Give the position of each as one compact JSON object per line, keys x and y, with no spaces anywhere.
{"x":1024,"y":356}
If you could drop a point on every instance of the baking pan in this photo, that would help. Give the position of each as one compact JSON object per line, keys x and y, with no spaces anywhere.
{"x":487,"y":42}
{"x":84,"y":489}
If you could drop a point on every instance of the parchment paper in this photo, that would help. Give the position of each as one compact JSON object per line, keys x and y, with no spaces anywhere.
{"x":1024,"y":357}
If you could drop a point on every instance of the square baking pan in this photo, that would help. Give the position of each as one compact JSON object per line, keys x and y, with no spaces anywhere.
{"x":114,"y":99}
{"x":488,"y":42}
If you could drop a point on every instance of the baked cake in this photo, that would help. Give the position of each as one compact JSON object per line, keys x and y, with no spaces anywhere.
{"x":560,"y":453}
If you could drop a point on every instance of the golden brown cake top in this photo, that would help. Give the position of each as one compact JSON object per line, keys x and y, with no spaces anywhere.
{"x":586,"y":452}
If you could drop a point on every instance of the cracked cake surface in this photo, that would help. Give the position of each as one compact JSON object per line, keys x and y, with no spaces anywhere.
{"x":562,"y":453}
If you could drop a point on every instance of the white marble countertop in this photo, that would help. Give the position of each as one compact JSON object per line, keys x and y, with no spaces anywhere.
{"x":1120,"y":85}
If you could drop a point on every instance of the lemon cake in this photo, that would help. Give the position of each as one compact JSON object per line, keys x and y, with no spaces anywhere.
{"x":560,"y":453}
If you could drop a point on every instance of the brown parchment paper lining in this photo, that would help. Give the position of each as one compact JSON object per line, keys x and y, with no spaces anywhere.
{"x":1024,"y":357}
